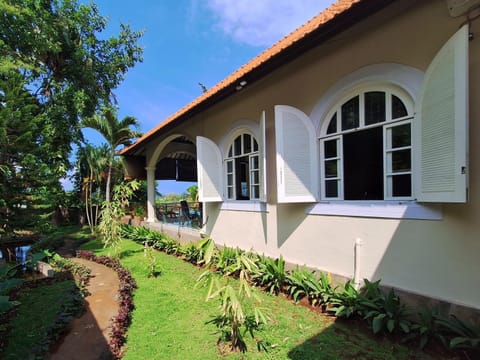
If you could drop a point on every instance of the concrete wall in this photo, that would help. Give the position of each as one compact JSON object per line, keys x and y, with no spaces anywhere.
{"x":435,"y":258}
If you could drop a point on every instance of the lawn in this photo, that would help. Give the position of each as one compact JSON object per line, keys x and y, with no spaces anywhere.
{"x":37,"y":317}
{"x":171,"y":321}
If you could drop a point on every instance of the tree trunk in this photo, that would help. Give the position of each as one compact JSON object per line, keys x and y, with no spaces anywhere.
{"x":107,"y":190}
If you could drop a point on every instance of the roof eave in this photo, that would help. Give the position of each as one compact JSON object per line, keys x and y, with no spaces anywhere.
{"x":339,"y":23}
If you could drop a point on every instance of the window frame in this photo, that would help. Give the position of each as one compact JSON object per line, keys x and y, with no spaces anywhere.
{"x":232,"y":159}
{"x":336,"y":110}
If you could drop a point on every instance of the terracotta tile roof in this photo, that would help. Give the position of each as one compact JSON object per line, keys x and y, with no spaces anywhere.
{"x":339,"y":7}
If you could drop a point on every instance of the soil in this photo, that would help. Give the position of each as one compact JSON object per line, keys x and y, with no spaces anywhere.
{"x":87,"y":337}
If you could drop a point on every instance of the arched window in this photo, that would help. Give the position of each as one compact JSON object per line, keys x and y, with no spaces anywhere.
{"x":242,"y":167}
{"x":366,"y":146}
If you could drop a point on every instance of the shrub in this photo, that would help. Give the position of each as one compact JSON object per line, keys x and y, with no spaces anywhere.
{"x":296,"y":283}
{"x":346,"y":301}
{"x":271,"y":274}
{"x":386,"y":312}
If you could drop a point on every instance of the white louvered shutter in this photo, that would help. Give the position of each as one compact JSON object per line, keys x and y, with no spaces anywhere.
{"x":210,"y":175}
{"x":297,"y":163}
{"x":263,"y":159}
{"x":441,"y":125}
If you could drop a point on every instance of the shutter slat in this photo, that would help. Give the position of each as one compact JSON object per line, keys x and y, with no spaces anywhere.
{"x":263,"y":159}
{"x":297,"y":164}
{"x":442,"y":122}
{"x":209,"y":163}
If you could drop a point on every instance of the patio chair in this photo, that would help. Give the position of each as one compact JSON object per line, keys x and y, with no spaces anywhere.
{"x":185,"y":216}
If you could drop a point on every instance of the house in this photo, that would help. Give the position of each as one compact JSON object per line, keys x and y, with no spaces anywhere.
{"x":345,"y":147}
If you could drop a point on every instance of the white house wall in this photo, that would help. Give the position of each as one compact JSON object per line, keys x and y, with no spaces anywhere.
{"x":435,"y":258}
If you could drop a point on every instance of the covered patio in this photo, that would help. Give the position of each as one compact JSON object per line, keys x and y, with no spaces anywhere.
{"x":174,"y":158}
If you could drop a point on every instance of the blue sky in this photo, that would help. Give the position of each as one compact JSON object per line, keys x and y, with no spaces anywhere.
{"x":187,"y":42}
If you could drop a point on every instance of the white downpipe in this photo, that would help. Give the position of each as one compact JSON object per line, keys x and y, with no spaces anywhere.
{"x":356,"y":262}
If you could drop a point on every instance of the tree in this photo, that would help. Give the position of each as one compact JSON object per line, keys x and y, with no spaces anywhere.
{"x":116,"y":133}
{"x":91,"y":162}
{"x":54,"y":69}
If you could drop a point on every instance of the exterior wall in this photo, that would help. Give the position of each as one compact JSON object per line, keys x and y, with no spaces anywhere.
{"x":435,"y":258}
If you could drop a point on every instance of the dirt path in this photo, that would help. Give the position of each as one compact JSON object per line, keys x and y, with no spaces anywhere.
{"x":87,"y":337}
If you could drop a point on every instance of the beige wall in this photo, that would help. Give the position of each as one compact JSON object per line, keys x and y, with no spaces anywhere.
{"x":439,"y":259}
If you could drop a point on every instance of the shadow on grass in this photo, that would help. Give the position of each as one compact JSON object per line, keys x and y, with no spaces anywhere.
{"x":128,"y":253}
{"x":350,"y":339}
{"x":93,"y":245}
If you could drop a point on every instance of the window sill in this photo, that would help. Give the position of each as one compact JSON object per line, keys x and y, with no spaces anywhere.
{"x":380,"y":209}
{"x":247,"y":205}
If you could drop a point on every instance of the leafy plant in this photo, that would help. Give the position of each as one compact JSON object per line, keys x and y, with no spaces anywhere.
{"x":386,"y":312}
{"x":233,"y":316}
{"x":320,"y":289}
{"x":110,"y":227}
{"x":346,"y":301}
{"x":271,"y":274}
{"x":148,"y":253}
{"x":170,"y":246}
{"x":190,"y":252}
{"x":461,"y":334}
{"x":426,"y":327}
{"x":296,"y":281}
{"x":225,"y":257}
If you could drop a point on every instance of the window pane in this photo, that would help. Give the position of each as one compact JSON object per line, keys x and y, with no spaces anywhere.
{"x":363,"y":164}
{"x":331,"y":188}
{"x":332,"y":126}
{"x":254,"y":162}
{"x":229,"y":166}
{"x":230,"y":193}
{"x":402,"y":185}
{"x":331,"y":168}
{"x":255,"y":192}
{"x":401,"y":136}
{"x":230,"y":179}
{"x":374,"y":107}
{"x":401,"y":161}
{"x":350,"y":114}
{"x":238,"y":145}
{"x":230,"y":151}
{"x":398,"y":108}
{"x":330,"y":148}
{"x":247,"y":144}
{"x":254,"y":178}
{"x":255,"y":145}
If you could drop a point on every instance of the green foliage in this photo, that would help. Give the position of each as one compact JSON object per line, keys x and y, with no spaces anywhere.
{"x":271,"y":274}
{"x":116,"y":133}
{"x":111,"y":227}
{"x":346,"y":301}
{"x":319,"y":290}
{"x":55,"y":67}
{"x":386,"y":312}
{"x":193,"y":193}
{"x":6,"y":304}
{"x":233,"y":314}
{"x":461,"y":334}
{"x":149,"y":255}
{"x":425,"y":328}
{"x":297,"y":286}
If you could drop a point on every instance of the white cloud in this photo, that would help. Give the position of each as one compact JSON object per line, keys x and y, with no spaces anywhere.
{"x":263,"y":22}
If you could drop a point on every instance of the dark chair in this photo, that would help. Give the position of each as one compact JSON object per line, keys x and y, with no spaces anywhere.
{"x":185,"y":215}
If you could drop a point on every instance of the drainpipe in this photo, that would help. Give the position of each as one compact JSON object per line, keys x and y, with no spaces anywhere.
{"x":356,"y":262}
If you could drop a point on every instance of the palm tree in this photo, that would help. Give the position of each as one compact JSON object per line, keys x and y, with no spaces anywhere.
{"x":116,"y":132}
{"x":91,"y":163}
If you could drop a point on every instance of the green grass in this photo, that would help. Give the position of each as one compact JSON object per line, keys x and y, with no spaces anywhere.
{"x":171,"y":318}
{"x":39,"y":309}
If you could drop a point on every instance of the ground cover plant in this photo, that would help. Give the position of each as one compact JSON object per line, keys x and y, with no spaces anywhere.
{"x":172,"y":320}
{"x":43,"y":312}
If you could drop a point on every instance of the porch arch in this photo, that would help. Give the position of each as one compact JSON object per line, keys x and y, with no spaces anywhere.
{"x":174,"y":158}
